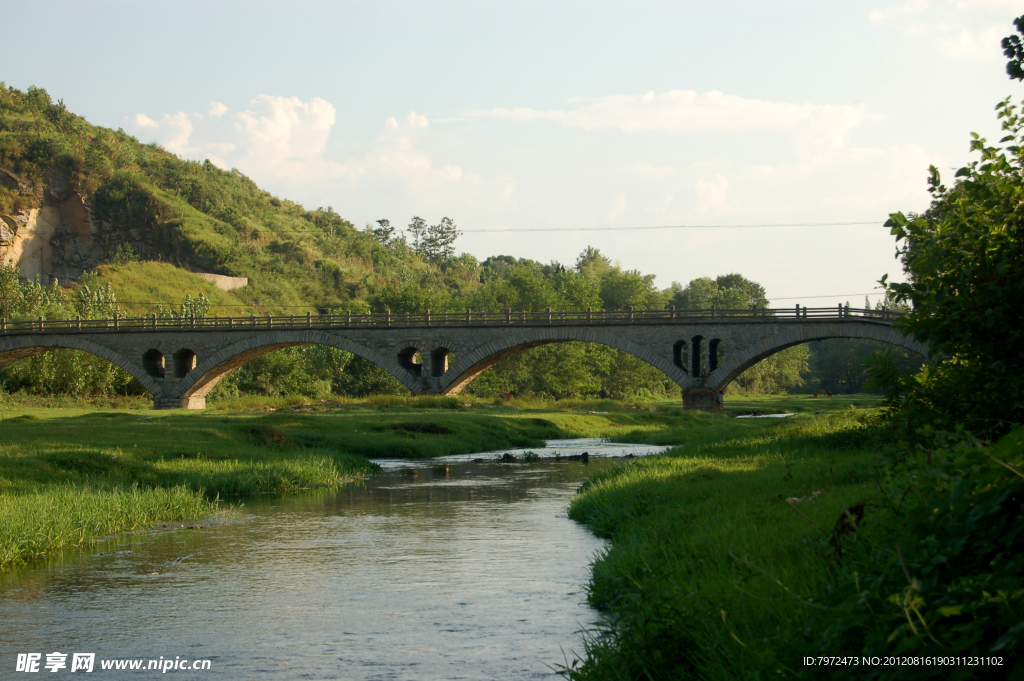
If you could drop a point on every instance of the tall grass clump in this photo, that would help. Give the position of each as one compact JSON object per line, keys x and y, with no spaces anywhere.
{"x":37,"y":523}
{"x":241,"y":477}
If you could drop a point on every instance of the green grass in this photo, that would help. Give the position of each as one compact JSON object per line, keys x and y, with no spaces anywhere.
{"x":708,"y":562}
{"x":141,"y":285}
{"x":798,"y":404}
{"x":44,"y":521}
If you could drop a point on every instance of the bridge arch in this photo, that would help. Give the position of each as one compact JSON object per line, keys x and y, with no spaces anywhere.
{"x":789,"y":335}
{"x":209,"y":371}
{"x":16,"y":348}
{"x":471,"y":364}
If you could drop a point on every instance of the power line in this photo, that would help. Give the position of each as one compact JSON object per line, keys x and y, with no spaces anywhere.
{"x":834,"y":295}
{"x":766,"y":225}
{"x":630,"y":229}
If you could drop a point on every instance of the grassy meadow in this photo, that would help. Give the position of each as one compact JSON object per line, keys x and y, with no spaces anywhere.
{"x":721,"y":543}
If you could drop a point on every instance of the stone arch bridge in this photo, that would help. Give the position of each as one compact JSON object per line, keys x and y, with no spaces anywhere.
{"x":180,"y":360}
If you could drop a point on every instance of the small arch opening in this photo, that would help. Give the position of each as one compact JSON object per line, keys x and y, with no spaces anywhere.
{"x":697,"y":350}
{"x":153,"y":363}
{"x":411,"y":359}
{"x":716,"y":353}
{"x":440,"y":360}
{"x":184,"y":362}
{"x":679,"y":354}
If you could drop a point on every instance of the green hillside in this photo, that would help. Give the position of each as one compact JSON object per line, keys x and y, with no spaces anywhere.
{"x":141,"y":286}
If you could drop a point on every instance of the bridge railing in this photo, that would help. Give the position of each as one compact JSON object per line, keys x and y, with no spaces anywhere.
{"x":428,"y":318}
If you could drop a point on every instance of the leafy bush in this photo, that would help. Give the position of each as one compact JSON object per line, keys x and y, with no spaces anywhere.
{"x":941,"y":574}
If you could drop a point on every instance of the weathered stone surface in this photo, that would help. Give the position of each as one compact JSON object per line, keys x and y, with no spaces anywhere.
{"x":223,"y":282}
{"x":724,"y":349}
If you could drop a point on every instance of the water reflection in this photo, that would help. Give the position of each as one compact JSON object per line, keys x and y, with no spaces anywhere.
{"x":450,"y":570}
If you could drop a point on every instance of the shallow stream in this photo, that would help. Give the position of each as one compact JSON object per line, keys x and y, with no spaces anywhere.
{"x":448,"y":569}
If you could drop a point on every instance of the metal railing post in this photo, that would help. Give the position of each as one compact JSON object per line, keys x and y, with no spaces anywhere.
{"x":590,"y":314}
{"x":469,"y":317}
{"x":348,"y":317}
{"x":387,"y":317}
{"x":309,"y":319}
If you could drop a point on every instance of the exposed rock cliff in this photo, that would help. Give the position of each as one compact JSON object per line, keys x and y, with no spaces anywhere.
{"x":59,"y":239}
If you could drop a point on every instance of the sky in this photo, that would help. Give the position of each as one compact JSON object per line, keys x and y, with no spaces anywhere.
{"x":780,"y":135}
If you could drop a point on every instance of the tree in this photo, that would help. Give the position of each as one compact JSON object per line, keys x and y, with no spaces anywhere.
{"x":621,"y":290}
{"x":965,"y":260}
{"x":439,"y":241}
{"x":592,"y":264}
{"x":728,"y":291}
{"x":383,"y":232}
{"x":11,"y":299}
{"x":1013,"y":48}
{"x":418,"y":228}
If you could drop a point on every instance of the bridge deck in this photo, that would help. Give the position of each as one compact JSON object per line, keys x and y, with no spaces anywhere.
{"x":461,"y":319}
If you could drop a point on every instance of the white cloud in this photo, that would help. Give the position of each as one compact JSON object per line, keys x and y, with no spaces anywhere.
{"x":712,"y":195}
{"x":410,"y":122}
{"x":979,"y":44}
{"x":282,"y":143}
{"x":618,"y":206}
{"x":955,"y":28}
{"x":276,"y":130}
{"x":899,"y":11}
{"x":680,"y":111}
{"x":271,"y":135}
{"x":815,"y":128}
{"x":172,"y":131}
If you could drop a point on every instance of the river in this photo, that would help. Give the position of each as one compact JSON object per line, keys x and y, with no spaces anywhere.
{"x":448,"y":569}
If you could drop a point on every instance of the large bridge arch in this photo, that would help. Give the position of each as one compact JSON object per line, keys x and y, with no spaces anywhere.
{"x":471,"y":364}
{"x":16,"y":348}
{"x":793,"y":334}
{"x":209,"y":371}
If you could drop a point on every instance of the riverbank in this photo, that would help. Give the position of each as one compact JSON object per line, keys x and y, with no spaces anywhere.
{"x":717,"y":544}
{"x":131,"y":466}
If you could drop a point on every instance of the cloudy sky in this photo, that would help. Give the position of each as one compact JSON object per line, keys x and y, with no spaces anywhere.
{"x":544,"y":127}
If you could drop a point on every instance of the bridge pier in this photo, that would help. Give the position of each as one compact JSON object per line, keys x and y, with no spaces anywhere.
{"x":193,"y":402}
{"x":701,"y":399}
